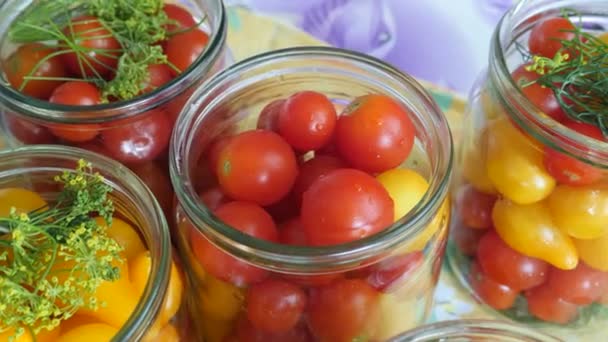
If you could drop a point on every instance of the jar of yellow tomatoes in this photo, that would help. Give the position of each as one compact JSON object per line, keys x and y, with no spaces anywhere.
{"x":107,"y":76}
{"x":473,"y":330}
{"x":85,"y":252}
{"x":530,"y":228}
{"x":312,"y":199}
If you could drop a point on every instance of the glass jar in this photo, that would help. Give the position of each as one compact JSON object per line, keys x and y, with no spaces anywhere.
{"x":528,"y":236}
{"x":134,"y":132}
{"x":410,"y":250}
{"x":33,"y":168}
{"x":473,"y":330}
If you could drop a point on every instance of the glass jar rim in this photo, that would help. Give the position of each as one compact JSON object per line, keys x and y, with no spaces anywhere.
{"x":548,"y":131}
{"x":299,"y":258}
{"x":145,"y":312}
{"x":460,"y":328}
{"x":37,"y":109}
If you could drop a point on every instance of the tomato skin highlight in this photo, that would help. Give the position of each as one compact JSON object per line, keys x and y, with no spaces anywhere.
{"x":21,"y":63}
{"x":343,"y":310}
{"x":509,"y":267}
{"x":375,"y":133}
{"x":545,"y":38}
{"x":345,"y":205}
{"x":582,"y":285}
{"x":101,"y":49}
{"x":248,"y":218}
{"x":257,"y":166}
{"x":542,"y":97}
{"x":545,"y":305}
{"x":185,"y":48}
{"x":139,"y":140}
{"x":307,"y":120}
{"x":275,"y":305}
{"x":494,"y":294}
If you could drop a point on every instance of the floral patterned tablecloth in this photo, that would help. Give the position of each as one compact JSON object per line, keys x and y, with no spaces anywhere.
{"x":250,"y":34}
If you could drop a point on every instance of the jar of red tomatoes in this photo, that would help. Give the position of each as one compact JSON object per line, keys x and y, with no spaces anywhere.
{"x":474,"y":330}
{"x":107,"y":76}
{"x":312,"y":198}
{"x":530,"y":227}
{"x":85,"y":252}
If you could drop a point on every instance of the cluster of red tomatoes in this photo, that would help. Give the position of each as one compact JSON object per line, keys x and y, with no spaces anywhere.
{"x":41,"y":71}
{"x":534,"y":219}
{"x":271,"y":186}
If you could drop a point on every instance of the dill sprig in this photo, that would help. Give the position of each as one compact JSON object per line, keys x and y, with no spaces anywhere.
{"x":53,"y":259}
{"x":578,"y":76}
{"x":138,"y":26}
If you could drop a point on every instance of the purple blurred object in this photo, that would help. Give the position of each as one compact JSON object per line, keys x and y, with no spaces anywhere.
{"x":441,"y":41}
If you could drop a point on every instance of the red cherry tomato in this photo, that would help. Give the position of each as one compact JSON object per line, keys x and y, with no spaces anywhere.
{"x":509,"y":267}
{"x":343,"y":206}
{"x":157,"y":180}
{"x":343,"y":310}
{"x":214,"y":150}
{"x":245,"y":331}
{"x":375,"y":133}
{"x":184,"y":48}
{"x":569,"y":170}
{"x":21,"y":64}
{"x":139,"y":140}
{"x":248,"y":218}
{"x":275,"y":305}
{"x":492,"y":293}
{"x":257,"y":166}
{"x":269,"y":116}
{"x":76,"y":94}
{"x":307,"y":120}
{"x":100,"y":50}
{"x":182,"y":19}
{"x":28,"y":132}
{"x":388,"y":274}
{"x":545,"y":37}
{"x":158,"y":75}
{"x":545,"y":305}
{"x":466,"y":239}
{"x":542,"y":97}
{"x":95,"y":147}
{"x":475,"y":208}
{"x":582,"y":285}
{"x":292,"y":233}
{"x":214,"y":198}
{"x":311,"y":170}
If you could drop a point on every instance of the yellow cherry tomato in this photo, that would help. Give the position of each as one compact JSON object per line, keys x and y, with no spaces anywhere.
{"x":582,"y":212}
{"x":140,"y":272}
{"x":220,"y":300}
{"x":168,"y":333}
{"x":120,"y":298}
{"x":43,"y":336}
{"x":23,"y":200}
{"x":515,"y":164}
{"x":530,"y":230}
{"x":406,"y":187}
{"x":491,"y":108}
{"x":125,"y":235}
{"x":90,"y":333}
{"x":604,"y":37}
{"x":76,"y":321}
{"x":438,"y":223}
{"x":594,"y":252}
{"x":474,"y":170}
{"x":216,"y":330}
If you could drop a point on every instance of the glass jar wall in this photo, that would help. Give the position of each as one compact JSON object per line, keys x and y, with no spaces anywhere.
{"x":142,"y":303}
{"x":473,"y":330}
{"x":375,"y":287}
{"x":135,"y":132}
{"x":528,"y":235}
